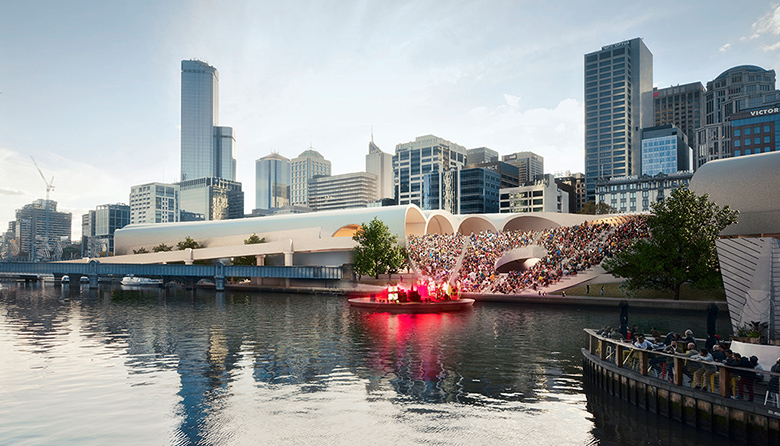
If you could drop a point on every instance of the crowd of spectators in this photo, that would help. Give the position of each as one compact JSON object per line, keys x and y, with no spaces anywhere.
{"x":569,"y":250}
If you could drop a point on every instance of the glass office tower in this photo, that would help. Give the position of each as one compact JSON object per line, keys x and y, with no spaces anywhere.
{"x":272,"y":181}
{"x":199,"y":116}
{"x":618,"y":104}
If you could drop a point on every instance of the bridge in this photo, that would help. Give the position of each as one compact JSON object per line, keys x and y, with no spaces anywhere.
{"x":218,"y":272}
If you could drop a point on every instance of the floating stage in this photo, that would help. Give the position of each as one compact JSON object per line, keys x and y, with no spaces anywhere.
{"x":422,"y":298}
{"x":371,"y":303}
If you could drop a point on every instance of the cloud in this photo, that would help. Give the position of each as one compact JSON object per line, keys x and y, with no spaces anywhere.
{"x":554,"y":133}
{"x":78,"y":186}
{"x":513,"y":101}
{"x":725,"y":48}
{"x":769,"y":23}
{"x":774,"y":47}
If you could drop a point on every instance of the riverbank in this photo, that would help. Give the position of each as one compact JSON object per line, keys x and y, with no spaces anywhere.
{"x":355,"y":289}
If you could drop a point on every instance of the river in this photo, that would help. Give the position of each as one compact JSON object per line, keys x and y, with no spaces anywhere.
{"x":113,"y":366}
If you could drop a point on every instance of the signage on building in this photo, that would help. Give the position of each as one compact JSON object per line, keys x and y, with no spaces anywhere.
{"x":757,"y":113}
{"x":615,"y":45}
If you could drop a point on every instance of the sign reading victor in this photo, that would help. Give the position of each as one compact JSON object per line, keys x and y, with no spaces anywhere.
{"x":757,"y":113}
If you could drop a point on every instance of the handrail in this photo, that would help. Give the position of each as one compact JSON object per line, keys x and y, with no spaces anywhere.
{"x":621,"y":346}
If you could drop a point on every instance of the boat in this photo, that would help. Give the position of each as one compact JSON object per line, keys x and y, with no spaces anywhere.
{"x":395,"y":299}
{"x":140,"y":281}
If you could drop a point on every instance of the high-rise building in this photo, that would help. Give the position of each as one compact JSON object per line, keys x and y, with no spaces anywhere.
{"x":756,"y":130}
{"x":345,"y":191}
{"x":98,"y":226}
{"x":154,"y":203}
{"x":576,"y":184}
{"x":415,"y":160}
{"x":479,"y":188}
{"x":272,"y":181}
{"x":543,"y":194}
{"x":41,"y":231}
{"x":481,"y":155}
{"x":736,"y":89}
{"x":681,"y":106}
{"x":509,"y":173}
{"x":665,"y":150}
{"x":214,"y":198}
{"x":380,"y":164}
{"x":529,"y":165}
{"x":309,"y":164}
{"x":206,"y":149}
{"x":618,"y":104}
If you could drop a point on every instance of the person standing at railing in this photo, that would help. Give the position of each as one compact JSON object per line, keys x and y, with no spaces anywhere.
{"x":698,"y":375}
{"x":641,"y":342}
{"x":746,"y":378}
{"x":774,"y":381}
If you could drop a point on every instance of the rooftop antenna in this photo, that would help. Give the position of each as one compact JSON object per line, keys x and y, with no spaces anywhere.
{"x":49,"y":183}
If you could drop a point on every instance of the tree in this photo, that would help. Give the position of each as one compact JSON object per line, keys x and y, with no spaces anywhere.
{"x":188,"y":243}
{"x":592,"y":208}
{"x":162,"y":247}
{"x":140,"y":250}
{"x":377,"y":251}
{"x":681,"y":248}
{"x":249,"y":260}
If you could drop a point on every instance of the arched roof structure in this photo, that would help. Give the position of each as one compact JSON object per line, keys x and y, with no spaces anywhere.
{"x":475,"y":223}
{"x":440,"y":222}
{"x":752,"y":68}
{"x":749,"y":184}
{"x":401,"y":220}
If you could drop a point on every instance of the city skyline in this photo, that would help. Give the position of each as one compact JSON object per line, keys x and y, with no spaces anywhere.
{"x":91,"y":90}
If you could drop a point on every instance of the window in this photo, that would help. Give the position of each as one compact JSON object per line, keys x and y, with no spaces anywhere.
{"x":747,"y":131}
{"x":737,"y":153}
{"x":737,"y":143}
{"x":737,"y":133}
{"x":766,"y":128}
{"x":757,"y":130}
{"x":766,"y":139}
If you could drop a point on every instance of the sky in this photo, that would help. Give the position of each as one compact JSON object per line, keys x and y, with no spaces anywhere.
{"x":91,"y":89}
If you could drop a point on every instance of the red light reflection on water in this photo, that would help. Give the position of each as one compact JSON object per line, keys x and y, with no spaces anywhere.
{"x":410,"y":340}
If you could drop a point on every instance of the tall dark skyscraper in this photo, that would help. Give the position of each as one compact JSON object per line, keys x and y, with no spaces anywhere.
{"x":207,"y":150}
{"x":208,"y":185}
{"x":618,"y":104}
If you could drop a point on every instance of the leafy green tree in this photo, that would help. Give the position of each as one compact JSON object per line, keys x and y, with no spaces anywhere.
{"x":681,"y":247}
{"x":188,"y":243}
{"x":592,"y":208}
{"x":249,"y":260}
{"x":140,"y":250}
{"x":377,"y":251}
{"x":162,"y":247}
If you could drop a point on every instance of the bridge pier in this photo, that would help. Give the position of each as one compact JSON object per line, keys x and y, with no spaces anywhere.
{"x":93,"y":281}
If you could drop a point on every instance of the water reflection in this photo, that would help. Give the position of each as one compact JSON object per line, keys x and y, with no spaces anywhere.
{"x":160,"y":366}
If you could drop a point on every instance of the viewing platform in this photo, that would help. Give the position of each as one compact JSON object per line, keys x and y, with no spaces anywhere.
{"x":662,"y":383}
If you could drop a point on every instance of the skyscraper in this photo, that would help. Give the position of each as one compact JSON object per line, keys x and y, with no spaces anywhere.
{"x":618,"y":104}
{"x":529,"y":165}
{"x":736,"y":89}
{"x":208,"y":163}
{"x":272,"y":180}
{"x":380,"y":164}
{"x":681,"y":106}
{"x":206,"y":148}
{"x":427,"y":156}
{"x":309,"y":164}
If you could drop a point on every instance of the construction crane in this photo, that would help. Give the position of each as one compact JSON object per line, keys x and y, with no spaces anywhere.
{"x":49,"y":184}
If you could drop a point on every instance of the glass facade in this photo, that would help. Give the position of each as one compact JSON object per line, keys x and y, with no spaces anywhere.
{"x":426,"y":156}
{"x":479,"y":191}
{"x":756,"y":131}
{"x":272,"y":178}
{"x":618,"y":102}
{"x":207,"y":150}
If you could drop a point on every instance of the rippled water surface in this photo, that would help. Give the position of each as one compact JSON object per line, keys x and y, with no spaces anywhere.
{"x":115,"y":366}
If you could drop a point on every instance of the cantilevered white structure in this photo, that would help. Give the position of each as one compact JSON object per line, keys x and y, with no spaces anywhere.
{"x":317,"y":238}
{"x":748,"y":251}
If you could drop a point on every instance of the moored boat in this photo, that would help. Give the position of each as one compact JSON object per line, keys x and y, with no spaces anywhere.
{"x":140,"y":281}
